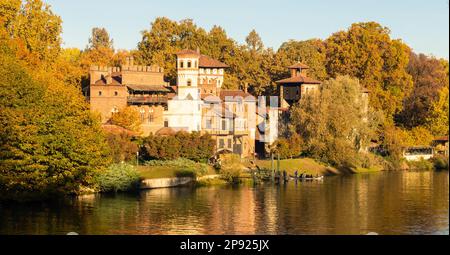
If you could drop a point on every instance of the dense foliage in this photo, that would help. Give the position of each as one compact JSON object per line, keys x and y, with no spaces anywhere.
{"x":122,"y":147}
{"x":193,"y":146}
{"x":118,"y":177}
{"x":334,"y":123}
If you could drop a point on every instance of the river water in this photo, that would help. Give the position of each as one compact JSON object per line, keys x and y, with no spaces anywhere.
{"x":385,"y":202}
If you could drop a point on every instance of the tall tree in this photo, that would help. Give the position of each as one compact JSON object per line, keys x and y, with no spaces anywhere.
{"x":254,"y":42}
{"x":430,"y":75}
{"x":334,"y":124}
{"x":100,"y":39}
{"x":367,"y":52}
{"x":49,"y":141}
{"x":310,"y":52}
{"x":40,"y":31}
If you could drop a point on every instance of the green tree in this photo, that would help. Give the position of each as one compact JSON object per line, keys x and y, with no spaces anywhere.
{"x":334,"y":124}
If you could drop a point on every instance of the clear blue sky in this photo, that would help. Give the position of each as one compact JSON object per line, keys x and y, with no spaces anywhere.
{"x":423,"y":25}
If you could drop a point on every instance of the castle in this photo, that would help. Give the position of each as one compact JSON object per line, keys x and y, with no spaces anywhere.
{"x":235,"y":119}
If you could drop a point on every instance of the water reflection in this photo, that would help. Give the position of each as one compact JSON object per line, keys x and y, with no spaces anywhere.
{"x":386,"y":203}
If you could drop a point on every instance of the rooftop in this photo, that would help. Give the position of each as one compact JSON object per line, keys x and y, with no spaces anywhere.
{"x":236,"y":95}
{"x":299,"y":79}
{"x":298,"y":65}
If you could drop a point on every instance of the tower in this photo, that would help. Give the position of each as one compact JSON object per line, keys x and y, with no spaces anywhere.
{"x":187,"y":74}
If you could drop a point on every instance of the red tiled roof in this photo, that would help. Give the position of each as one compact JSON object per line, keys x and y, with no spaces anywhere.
{"x":118,"y":129}
{"x":442,"y":138}
{"x":299,"y":79}
{"x":116,"y":80}
{"x":298,"y":65}
{"x":206,"y":61}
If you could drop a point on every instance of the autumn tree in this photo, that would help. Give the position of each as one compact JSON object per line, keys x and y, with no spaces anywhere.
{"x":100,"y":39}
{"x":99,"y":51}
{"x":438,"y":118}
{"x":35,"y":29}
{"x":128,"y":118}
{"x":310,"y":52}
{"x":49,"y":141}
{"x":367,"y":52}
{"x":430,"y":76}
{"x":333,"y":123}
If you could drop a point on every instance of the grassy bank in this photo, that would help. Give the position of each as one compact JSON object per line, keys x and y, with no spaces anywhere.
{"x":173,"y":168}
{"x":302,"y":165}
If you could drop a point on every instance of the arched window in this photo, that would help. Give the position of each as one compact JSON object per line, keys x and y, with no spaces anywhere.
{"x":150,"y":115}
{"x":189,"y":83}
{"x":142,"y":113}
{"x":116,"y":93}
{"x":100,"y":93}
{"x":189,"y":64}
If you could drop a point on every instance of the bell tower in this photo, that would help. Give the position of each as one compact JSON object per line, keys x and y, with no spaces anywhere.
{"x":187,"y":74}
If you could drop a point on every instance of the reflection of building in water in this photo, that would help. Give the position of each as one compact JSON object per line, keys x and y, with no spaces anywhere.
{"x":233,"y":212}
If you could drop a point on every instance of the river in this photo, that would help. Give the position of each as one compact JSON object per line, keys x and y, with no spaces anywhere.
{"x":384,"y":202}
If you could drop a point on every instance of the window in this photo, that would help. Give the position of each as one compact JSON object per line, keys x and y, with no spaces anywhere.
{"x":229,"y":142}
{"x":181,"y":64}
{"x":100,"y":93}
{"x":189,"y":64}
{"x":142,"y":113}
{"x":150,"y":115}
{"x":189,"y":83}
{"x":224,"y":125}
{"x":195,"y":64}
{"x":116,"y":93}
{"x":166,"y":123}
{"x":221,"y":143}
{"x":209,"y":123}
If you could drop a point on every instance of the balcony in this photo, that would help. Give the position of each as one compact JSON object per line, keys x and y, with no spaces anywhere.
{"x":147,"y":99}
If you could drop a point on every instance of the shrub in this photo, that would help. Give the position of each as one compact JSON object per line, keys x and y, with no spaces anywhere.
{"x":231,"y":168}
{"x":193,"y":146}
{"x":122,"y":147}
{"x":118,"y":177}
{"x":440,"y":162}
{"x":420,"y":165}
